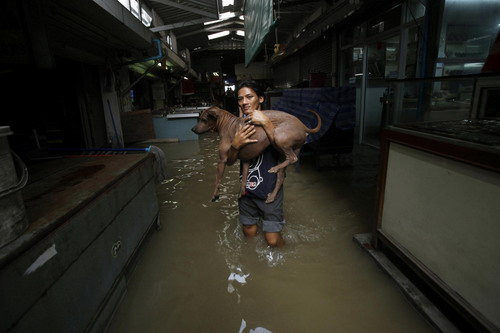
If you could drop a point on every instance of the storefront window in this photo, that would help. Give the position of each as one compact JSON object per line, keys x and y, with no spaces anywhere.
{"x":469,"y":28}
{"x":383,"y":59}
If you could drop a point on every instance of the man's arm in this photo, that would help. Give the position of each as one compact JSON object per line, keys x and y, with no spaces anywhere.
{"x":241,"y":138}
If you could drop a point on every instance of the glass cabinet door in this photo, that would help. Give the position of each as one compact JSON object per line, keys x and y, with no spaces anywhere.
{"x":382,"y":64}
{"x":468,"y":31}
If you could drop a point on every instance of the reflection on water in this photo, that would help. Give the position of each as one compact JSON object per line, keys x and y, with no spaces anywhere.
{"x":170,"y":204}
{"x":200,"y":274}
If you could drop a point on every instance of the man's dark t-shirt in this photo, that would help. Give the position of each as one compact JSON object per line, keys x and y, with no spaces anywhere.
{"x":260,"y":182}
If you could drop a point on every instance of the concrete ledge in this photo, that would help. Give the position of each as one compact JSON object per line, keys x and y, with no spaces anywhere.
{"x":418,"y":300}
{"x":164,"y":140}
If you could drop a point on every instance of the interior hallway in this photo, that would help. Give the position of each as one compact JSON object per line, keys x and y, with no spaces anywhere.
{"x":199,"y":273}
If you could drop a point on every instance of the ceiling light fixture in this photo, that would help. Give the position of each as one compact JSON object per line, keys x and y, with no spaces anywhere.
{"x":222,"y":17}
{"x":218,"y":34}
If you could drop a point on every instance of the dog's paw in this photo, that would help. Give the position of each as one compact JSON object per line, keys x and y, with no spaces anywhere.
{"x":215,"y":198}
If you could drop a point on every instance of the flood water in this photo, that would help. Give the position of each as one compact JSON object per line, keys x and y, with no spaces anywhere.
{"x":200,"y":274}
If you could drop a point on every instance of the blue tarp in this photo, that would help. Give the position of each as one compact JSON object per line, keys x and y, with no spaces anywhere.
{"x":332,"y":104}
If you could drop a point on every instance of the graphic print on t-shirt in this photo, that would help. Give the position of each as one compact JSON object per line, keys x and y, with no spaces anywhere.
{"x":254,"y":177}
{"x":260,"y":182}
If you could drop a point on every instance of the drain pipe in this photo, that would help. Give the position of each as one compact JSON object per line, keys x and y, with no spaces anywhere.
{"x":158,"y":58}
{"x":127,"y":90}
{"x":158,"y":49}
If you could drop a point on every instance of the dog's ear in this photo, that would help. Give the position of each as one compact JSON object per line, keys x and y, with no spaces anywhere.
{"x":213,"y":111}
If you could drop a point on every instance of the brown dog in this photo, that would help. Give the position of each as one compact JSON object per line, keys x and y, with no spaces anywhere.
{"x":288,"y":137}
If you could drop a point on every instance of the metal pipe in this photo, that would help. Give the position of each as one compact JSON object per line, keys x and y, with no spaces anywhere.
{"x":159,"y":54}
{"x":147,"y":150}
{"x":127,"y":90}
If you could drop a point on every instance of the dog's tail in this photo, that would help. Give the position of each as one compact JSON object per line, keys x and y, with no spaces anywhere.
{"x":318,"y":127}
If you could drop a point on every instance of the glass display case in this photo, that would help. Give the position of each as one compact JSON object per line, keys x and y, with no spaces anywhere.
{"x":439,"y":188}
{"x":462,"y":107}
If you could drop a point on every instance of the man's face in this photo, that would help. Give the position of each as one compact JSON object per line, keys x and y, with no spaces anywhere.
{"x":248,"y":99}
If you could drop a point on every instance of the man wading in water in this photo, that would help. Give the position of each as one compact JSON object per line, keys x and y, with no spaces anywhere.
{"x":252,"y":205}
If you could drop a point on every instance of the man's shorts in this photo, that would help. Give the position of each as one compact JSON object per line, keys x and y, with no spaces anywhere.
{"x":253,"y":209}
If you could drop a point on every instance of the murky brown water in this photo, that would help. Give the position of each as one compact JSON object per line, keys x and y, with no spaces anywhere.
{"x":200,"y":274}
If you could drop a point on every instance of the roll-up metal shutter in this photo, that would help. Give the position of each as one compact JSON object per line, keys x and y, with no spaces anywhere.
{"x":287,"y":73}
{"x":317,"y":59}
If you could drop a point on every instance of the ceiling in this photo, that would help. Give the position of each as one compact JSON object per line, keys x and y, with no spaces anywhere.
{"x":84,"y":31}
{"x":186,"y":19}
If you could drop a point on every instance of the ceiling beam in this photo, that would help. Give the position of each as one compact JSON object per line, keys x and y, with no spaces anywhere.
{"x":291,"y":3}
{"x":222,"y":24}
{"x":179,"y":25}
{"x":222,"y":45}
{"x":209,"y":29}
{"x":188,"y":8}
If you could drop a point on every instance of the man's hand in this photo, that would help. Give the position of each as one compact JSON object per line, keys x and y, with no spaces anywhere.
{"x":257,"y":117}
{"x":242,"y":136}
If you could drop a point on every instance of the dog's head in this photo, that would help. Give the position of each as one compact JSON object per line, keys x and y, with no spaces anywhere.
{"x":207,"y":120}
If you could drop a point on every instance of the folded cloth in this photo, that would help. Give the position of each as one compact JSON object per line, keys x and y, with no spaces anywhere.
{"x":160,"y":165}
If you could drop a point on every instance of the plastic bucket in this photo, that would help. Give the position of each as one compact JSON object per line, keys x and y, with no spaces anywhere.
{"x":13,"y":219}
